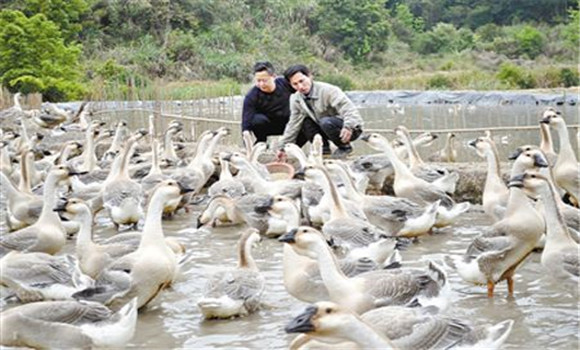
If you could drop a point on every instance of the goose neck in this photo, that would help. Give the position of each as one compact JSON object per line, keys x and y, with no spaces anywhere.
{"x":566,"y":150}
{"x":225,"y":173}
{"x":399,"y":167}
{"x":334,"y":279}
{"x":245,"y":258}
{"x":351,"y":191}
{"x":85,"y":235}
{"x":366,"y":336}
{"x":546,"y":144}
{"x":153,"y":228}
{"x":25,"y":185}
{"x":49,"y":200}
{"x":518,"y":202}
{"x":556,"y":229}
{"x":493,"y":168}
{"x":414,"y":158}
{"x":337,"y":209}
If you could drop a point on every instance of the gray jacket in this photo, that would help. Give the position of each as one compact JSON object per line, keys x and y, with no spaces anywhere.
{"x":327,"y":101}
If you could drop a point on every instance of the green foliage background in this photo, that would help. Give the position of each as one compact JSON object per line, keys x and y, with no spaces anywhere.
{"x":72,"y":49}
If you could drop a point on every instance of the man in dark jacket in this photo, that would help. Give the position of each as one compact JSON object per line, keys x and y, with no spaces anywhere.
{"x":266,"y":106}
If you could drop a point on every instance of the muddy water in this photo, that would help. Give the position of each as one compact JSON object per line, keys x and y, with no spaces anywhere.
{"x":545,"y":316}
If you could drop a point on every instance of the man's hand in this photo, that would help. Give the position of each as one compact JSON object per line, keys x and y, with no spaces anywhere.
{"x":345,"y":135}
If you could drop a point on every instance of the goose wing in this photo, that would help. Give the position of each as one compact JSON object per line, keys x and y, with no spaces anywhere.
{"x":395,"y":287}
{"x":21,"y":240}
{"x":571,"y":264}
{"x":353,"y":267}
{"x":54,"y":335}
{"x":240,"y":284}
{"x":119,"y":191}
{"x":352,"y":232}
{"x":37,"y":269}
{"x":416,"y":328}
{"x":431,"y":195}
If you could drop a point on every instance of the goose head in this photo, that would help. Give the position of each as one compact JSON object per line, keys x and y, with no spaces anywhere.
{"x":376,"y":141}
{"x":314,"y":173}
{"x":529,"y":157}
{"x":172,"y":189}
{"x":482,"y":145}
{"x":283,"y":206}
{"x":236,"y":159}
{"x":552,"y":117}
{"x":324,"y":317}
{"x":534,"y":182}
{"x":304,"y":240}
{"x":72,"y":206}
{"x":425,"y":139}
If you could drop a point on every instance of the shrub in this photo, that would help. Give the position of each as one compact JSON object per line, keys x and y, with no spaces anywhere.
{"x":569,"y":77}
{"x":515,"y":76}
{"x":439,"y":81}
{"x":530,"y":41}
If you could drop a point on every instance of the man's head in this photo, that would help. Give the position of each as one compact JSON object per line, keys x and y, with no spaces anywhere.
{"x":299,"y":78}
{"x":264,"y":76}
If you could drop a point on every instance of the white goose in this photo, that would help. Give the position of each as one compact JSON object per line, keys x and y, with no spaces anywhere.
{"x":407,"y":185}
{"x":93,"y":258}
{"x":329,"y":321}
{"x":495,"y":192}
{"x":438,"y":176}
{"x":47,"y":234}
{"x":566,"y":170}
{"x":397,"y":216}
{"x":235,"y":292}
{"x":123,"y":196}
{"x":302,"y":277}
{"x":356,"y":235}
{"x":149,"y":269}
{"x":494,"y":256}
{"x":67,"y":325}
{"x":371,"y":289}
{"x":560,"y":255}
{"x":121,"y":133}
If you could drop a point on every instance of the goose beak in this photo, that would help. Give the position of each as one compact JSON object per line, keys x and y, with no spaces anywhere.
{"x":299,"y":174}
{"x":303,"y":322}
{"x":227,"y":157}
{"x":365,"y":137}
{"x":198,"y":223}
{"x":515,"y":154}
{"x":517,"y":181}
{"x":545,"y":121}
{"x":540,"y":161}
{"x":183,"y":189}
{"x":288,"y":237}
{"x":472,"y":143}
{"x":73,"y":172}
{"x":262,"y":209}
{"x":61,"y":205}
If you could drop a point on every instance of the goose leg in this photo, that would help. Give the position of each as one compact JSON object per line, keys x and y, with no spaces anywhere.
{"x":510,"y":284}
{"x":490,"y":288}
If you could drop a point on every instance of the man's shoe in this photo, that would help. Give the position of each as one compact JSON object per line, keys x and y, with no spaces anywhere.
{"x":342,"y":153}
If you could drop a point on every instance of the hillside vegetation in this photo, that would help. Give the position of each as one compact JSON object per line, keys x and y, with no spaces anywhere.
{"x":73,"y":49}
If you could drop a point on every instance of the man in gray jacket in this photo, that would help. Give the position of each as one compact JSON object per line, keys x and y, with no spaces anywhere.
{"x":320,"y":108}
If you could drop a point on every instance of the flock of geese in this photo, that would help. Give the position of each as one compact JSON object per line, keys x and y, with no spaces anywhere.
{"x":340,"y":244}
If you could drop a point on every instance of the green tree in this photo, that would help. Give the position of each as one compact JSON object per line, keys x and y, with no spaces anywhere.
{"x":34,"y":57}
{"x":530,"y":41}
{"x":358,"y":27}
